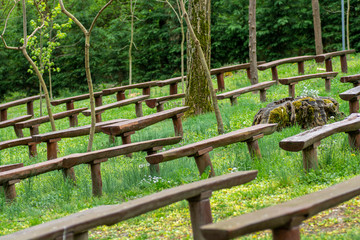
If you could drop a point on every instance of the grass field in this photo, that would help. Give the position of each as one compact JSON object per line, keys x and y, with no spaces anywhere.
{"x":280,"y":178}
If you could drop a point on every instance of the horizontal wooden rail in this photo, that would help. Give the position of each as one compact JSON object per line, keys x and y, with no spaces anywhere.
{"x":160,"y":101}
{"x":11,"y":122}
{"x":352,"y":95}
{"x":197,"y":193}
{"x":29,"y":105}
{"x":328,"y":62}
{"x":354,"y":79}
{"x":284,"y":219}
{"x":74,"y":99}
{"x":145,"y":86}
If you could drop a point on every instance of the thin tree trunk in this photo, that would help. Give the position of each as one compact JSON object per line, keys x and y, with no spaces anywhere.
{"x":252,"y":42}
{"x":131,"y":42}
{"x":347,"y":25}
{"x":317,"y":27}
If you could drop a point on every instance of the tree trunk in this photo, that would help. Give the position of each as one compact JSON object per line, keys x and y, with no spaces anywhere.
{"x":347,"y":25}
{"x":198,"y":96}
{"x":317,"y":27}
{"x":252,"y":42}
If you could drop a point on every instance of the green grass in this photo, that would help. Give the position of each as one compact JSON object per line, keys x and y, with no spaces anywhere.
{"x":280,"y":178}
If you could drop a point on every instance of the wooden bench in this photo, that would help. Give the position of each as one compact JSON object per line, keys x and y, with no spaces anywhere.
{"x":299,"y":60}
{"x":284,"y":219}
{"x":29,"y":105}
{"x":308,"y":141}
{"x":94,"y":158}
{"x":354,"y":79}
{"x":292,"y":81}
{"x":27,"y":141}
{"x":160,"y":101}
{"x":33,"y":124}
{"x":352,"y":95}
{"x":232,"y":95}
{"x":52,"y":138}
{"x":12,"y":122}
{"x":126,"y":128}
{"x":120,"y":91}
{"x":138,"y":106}
{"x":9,"y":188}
{"x":200,"y":150}
{"x":76,"y":226}
{"x":70,"y":104}
{"x":328,"y":62}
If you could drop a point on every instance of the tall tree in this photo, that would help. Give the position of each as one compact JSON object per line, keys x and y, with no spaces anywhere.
{"x":317,"y":27}
{"x":252,"y":42}
{"x":87,"y":34}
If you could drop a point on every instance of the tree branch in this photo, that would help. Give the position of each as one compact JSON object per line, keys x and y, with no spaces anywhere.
{"x":77,"y":22}
{"x":97,"y":16}
{"x":5,"y":26}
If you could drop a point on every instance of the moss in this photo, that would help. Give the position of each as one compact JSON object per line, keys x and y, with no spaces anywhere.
{"x":279,"y":115}
{"x":328,"y":101}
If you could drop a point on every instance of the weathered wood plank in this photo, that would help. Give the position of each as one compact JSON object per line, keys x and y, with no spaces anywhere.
{"x":323,"y":57}
{"x":111,"y":214}
{"x":294,"y":212}
{"x":350,"y":78}
{"x":287,"y":81}
{"x":151,"y":103}
{"x":15,"y":142}
{"x":74,"y":99}
{"x":305,"y":139}
{"x":121,"y":103}
{"x":19,"y":102}
{"x":232,"y":68}
{"x":238,"y":92}
{"x":141,"y":122}
{"x":110,"y":91}
{"x":285,"y":60}
{"x":350,"y":94}
{"x":218,"y":141}
{"x":11,"y":122}
{"x":170,"y":81}
{"x":4,"y":168}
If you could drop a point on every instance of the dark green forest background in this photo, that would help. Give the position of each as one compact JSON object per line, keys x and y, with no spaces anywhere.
{"x":284,"y":29}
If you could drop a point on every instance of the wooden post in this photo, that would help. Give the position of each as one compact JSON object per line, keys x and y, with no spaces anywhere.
{"x":292,"y":90}
{"x":328,"y":65}
{"x":34,"y":130}
{"x":120,"y":96}
{"x":70,"y":105}
{"x":286,"y":234}
{"x":10,"y":190}
{"x":51,"y":146}
{"x":98,"y":116}
{"x":146,"y":91}
{"x":178,"y":124}
{"x":354,"y":105}
{"x":126,"y":139}
{"x":19,"y":132}
{"x":154,"y":168}
{"x":138,"y":109}
{"x":79,"y":236}
{"x":275,"y":74}
{"x":73,"y":120}
{"x":248,"y":73}
{"x":96,"y":177}
{"x":343,"y":63}
{"x":200,"y":213}
{"x":220,"y":81}
{"x":160,"y":107}
{"x":263,"y":95}
{"x":3,"y":114}
{"x":253,"y":146}
{"x":354,"y":140}
{"x":310,"y":160}
{"x":32,"y":149}
{"x":98,"y":101}
{"x":202,"y":159}
{"x":301,"y":68}
{"x":233,"y":101}
{"x":328,"y":84}
{"x":30,"y":108}
{"x":173,"y":89}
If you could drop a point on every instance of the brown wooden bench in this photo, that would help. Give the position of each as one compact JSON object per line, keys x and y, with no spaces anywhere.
{"x":308,"y":141}
{"x":284,"y":219}
{"x":160,"y":101}
{"x":200,"y":150}
{"x":52,"y":138}
{"x":13,"y":121}
{"x":27,"y":141}
{"x":352,"y":95}
{"x":232,"y":95}
{"x":94,"y":158}
{"x":120,"y":91}
{"x":328,"y":62}
{"x":136,"y":100}
{"x":354,"y":79}
{"x":9,"y":188}
{"x":76,"y":226}
{"x":292,"y":81}
{"x":173,"y":82}
{"x":299,"y":60}
{"x":29,"y":105}
{"x":70,"y":104}
{"x":33,"y":124}
{"x":126,"y":128}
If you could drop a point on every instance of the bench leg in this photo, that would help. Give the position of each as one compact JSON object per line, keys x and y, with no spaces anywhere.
{"x":52,"y":147}
{"x":220,"y":81}
{"x":18,"y":131}
{"x":292,"y":90}
{"x":70,"y":105}
{"x":30,"y":108}
{"x":343,"y":62}
{"x":354,"y":106}
{"x":81,"y":236}
{"x":202,"y":162}
{"x":286,"y":234}
{"x":138,"y":109}
{"x":98,"y":117}
{"x":354,"y":140}
{"x":327,"y":84}
{"x":32,"y":149}
{"x":120,"y":96}
{"x":126,"y":139}
{"x":233,"y":101}
{"x":173,"y":89}
{"x":254,"y":150}
{"x":69,"y":173}
{"x":274,"y":73}
{"x":263,"y":95}
{"x":328,"y":65}
{"x":248,"y":73}
{"x":98,"y":101}
{"x":301,"y":68}
{"x":10,"y":190}
{"x":96,"y":179}
{"x":146,"y":91}
{"x":73,"y":120}
{"x":160,"y":107}
{"x":200,"y":213}
{"x":34,"y":130}
{"x":178,"y":125}
{"x":3,"y":114}
{"x":310,"y":160}
{"x":154,"y":168}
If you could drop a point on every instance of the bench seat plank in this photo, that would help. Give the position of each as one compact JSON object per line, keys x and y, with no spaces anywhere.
{"x":117,"y":104}
{"x":11,"y":122}
{"x":238,"y":92}
{"x":323,"y":57}
{"x":15,"y":142}
{"x":350,"y":94}
{"x":74,"y":99}
{"x":294,"y":212}
{"x":305,"y":139}
{"x":162,"y":83}
{"x":285,"y":60}
{"x":4,"y":168}
{"x":19,"y":102}
{"x":287,"y":81}
{"x":218,"y":141}
{"x":110,"y":91}
{"x":232,"y":68}
{"x":151,"y":103}
{"x":112,"y":214}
